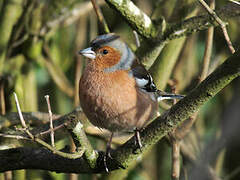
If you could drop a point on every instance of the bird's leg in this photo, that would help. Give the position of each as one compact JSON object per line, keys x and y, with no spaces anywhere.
{"x":138,"y":142}
{"x":107,"y":154}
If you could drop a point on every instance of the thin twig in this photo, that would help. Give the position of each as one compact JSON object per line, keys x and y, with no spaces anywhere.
{"x":68,"y":17}
{"x":39,"y":141}
{"x":100,"y":16}
{"x":21,"y":117}
{"x":20,"y":41}
{"x":175,"y":159}
{"x":14,"y":136}
{"x":50,"y":120}
{"x":207,"y":54}
{"x":175,"y":145}
{"x":2,"y":99}
{"x":221,"y":23}
{"x":236,"y":2}
{"x":208,"y":48}
{"x":136,"y":39}
{"x":60,"y":153}
{"x":49,"y":130}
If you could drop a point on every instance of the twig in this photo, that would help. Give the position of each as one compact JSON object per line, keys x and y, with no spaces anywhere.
{"x":100,"y":16}
{"x":236,"y":2}
{"x":39,"y":141}
{"x":20,"y":41}
{"x":68,"y":17}
{"x":49,"y":130}
{"x":14,"y":136}
{"x":136,"y":38}
{"x":207,"y":52}
{"x":78,"y":71}
{"x":175,"y":159}
{"x":2,"y":99}
{"x":175,"y":145}
{"x":221,"y":23}
{"x":50,"y":121}
{"x":21,"y":117}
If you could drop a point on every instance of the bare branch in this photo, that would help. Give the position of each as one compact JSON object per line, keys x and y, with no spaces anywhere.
{"x":39,"y":141}
{"x":100,"y":16}
{"x":69,"y":17}
{"x":175,"y":159}
{"x":21,"y":117}
{"x":221,"y":23}
{"x":13,"y":136}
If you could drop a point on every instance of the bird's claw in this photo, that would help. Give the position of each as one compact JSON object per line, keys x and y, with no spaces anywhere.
{"x":108,"y":156}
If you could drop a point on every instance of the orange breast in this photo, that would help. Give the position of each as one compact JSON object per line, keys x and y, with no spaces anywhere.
{"x":112,"y":101}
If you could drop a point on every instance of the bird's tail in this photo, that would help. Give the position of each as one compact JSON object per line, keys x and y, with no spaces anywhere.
{"x":162,"y":95}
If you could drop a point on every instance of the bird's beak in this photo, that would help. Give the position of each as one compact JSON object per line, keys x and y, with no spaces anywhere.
{"x":88,"y":52}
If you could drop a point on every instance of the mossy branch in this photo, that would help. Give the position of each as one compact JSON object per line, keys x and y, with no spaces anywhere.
{"x":135,"y":17}
{"x":158,"y":33}
{"x":40,"y":158}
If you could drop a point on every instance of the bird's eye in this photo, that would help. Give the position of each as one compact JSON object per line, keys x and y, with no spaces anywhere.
{"x":105,"y":51}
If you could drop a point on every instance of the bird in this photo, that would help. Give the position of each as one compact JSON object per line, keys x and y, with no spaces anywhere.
{"x":116,"y":92}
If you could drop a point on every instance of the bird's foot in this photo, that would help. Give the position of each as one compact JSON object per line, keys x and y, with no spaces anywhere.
{"x":107,"y":157}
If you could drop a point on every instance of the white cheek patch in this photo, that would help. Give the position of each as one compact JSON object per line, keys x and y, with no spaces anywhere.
{"x":141,"y":82}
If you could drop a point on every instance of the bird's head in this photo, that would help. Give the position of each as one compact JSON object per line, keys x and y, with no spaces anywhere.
{"x":109,"y":53}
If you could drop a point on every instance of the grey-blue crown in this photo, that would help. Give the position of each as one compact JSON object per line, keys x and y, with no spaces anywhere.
{"x":103,"y":39}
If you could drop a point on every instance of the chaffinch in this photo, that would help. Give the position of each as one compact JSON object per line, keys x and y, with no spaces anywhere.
{"x":116,"y":92}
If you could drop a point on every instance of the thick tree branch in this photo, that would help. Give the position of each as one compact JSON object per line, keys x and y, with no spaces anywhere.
{"x":40,"y":158}
{"x":153,"y":31}
{"x":135,"y":17}
{"x":158,"y":33}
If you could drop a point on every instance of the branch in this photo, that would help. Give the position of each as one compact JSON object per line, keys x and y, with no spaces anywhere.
{"x":40,"y":158}
{"x":69,"y":17}
{"x":158,"y":33}
{"x":140,"y":22}
{"x":199,"y":23}
{"x":220,"y":22}
{"x":182,"y":110}
{"x":135,"y":17}
{"x":100,"y":16}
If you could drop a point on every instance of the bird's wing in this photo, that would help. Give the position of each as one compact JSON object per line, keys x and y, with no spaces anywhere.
{"x":142,"y":77}
{"x":144,"y":81}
